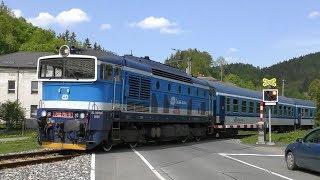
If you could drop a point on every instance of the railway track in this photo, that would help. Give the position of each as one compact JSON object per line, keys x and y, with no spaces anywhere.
{"x":16,"y":160}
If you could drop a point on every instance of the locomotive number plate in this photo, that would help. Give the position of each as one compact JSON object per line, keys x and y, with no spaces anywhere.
{"x":62,"y":114}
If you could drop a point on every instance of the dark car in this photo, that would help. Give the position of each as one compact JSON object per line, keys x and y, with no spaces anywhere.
{"x":305,"y":152}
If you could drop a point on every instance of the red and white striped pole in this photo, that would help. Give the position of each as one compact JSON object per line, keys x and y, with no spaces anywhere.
{"x":261,"y":135}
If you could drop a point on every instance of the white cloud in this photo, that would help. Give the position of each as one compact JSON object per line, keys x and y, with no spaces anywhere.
{"x":158,"y":23}
{"x":232,"y":50}
{"x":17,"y":13}
{"x":314,"y":14}
{"x":73,"y":16}
{"x":64,"y":18}
{"x":105,"y":26}
{"x":43,"y":20}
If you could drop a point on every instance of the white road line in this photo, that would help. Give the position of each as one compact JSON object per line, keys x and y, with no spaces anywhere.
{"x":93,"y":164}
{"x":149,"y":165}
{"x":266,"y":155}
{"x":248,"y":164}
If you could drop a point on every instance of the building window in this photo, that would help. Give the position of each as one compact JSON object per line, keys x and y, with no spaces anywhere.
{"x":235,"y":105}
{"x":34,"y":87}
{"x":244,"y":106}
{"x":33,"y":111}
{"x":11,"y":87}
{"x":251,"y":104}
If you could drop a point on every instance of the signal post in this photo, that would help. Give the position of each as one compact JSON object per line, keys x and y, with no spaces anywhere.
{"x":270,"y":98}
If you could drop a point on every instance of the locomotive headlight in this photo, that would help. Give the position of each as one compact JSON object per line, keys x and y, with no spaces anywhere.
{"x":43,"y":113}
{"x":82,"y":115}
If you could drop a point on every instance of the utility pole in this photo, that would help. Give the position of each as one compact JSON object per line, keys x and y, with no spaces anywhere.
{"x":282,"y":91}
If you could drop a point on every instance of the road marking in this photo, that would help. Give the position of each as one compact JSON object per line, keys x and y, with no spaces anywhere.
{"x":149,"y":165}
{"x":93,"y":162}
{"x":266,"y":155}
{"x":248,"y":164}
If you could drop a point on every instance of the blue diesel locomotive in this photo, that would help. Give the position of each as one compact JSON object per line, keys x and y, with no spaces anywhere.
{"x":93,"y":98}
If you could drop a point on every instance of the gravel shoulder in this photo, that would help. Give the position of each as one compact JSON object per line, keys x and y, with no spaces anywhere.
{"x":77,"y":168}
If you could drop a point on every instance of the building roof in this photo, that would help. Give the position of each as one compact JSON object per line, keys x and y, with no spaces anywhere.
{"x":21,"y":59}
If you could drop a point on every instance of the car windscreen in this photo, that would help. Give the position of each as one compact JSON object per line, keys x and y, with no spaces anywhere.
{"x":67,"y":68}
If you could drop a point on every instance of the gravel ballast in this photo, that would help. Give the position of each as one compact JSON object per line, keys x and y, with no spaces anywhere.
{"x":77,"y":168}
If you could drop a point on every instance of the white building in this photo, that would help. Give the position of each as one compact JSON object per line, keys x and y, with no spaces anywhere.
{"x":18,"y":80}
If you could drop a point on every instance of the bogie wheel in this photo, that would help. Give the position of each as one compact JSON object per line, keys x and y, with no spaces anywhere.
{"x":198,"y":138}
{"x":107,"y":146}
{"x":184,"y":139}
{"x":290,"y":160}
{"x":133,"y":144}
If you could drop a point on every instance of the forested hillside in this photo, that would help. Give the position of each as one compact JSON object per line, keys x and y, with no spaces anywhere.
{"x":16,"y":34}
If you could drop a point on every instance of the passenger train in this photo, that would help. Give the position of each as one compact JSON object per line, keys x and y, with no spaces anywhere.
{"x":94,"y":98}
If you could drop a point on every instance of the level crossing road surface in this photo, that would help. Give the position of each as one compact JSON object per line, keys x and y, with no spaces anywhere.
{"x":214,"y":159}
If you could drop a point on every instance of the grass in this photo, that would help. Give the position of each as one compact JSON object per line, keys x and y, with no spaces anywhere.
{"x":279,"y":138}
{"x":20,"y":145}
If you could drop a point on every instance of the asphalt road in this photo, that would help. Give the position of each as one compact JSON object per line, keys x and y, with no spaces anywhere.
{"x":209,"y":159}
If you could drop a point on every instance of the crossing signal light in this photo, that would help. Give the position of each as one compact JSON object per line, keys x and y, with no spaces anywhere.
{"x":270,"y":95}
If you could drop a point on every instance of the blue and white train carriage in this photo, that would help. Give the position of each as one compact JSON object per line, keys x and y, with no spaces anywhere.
{"x":103,"y":99}
{"x":240,"y":108}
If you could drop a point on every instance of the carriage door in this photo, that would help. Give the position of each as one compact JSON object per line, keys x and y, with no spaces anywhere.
{"x":299,"y":116}
{"x":117,"y":88}
{"x":222,"y":110}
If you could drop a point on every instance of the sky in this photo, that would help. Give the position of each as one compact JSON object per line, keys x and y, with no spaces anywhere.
{"x":261,"y":33}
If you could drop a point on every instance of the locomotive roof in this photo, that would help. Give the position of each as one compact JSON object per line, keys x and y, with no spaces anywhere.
{"x":238,"y":91}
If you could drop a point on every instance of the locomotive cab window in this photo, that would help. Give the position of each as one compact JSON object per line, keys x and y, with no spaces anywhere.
{"x":107,"y":75}
{"x":67,"y":68}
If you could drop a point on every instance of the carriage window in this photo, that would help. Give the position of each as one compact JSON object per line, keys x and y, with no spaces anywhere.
{"x":280,"y":111}
{"x":179,"y":89}
{"x":235,"y":105}
{"x":244,"y":106}
{"x":285,"y":112}
{"x":169,"y":87}
{"x":275,"y":110}
{"x":197,"y":91}
{"x":251,"y":104}
{"x":228,"y":104}
{"x":311,"y":113}
{"x":257,"y":107}
{"x":117,"y":73}
{"x":306,"y":114}
{"x":189,"y":90}
{"x":289,"y":111}
{"x":107,"y":72}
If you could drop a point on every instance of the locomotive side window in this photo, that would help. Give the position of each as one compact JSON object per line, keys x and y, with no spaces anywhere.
{"x":102,"y":67}
{"x":244,"y":106}
{"x":235,"y":103}
{"x":228,"y":105}
{"x":117,"y":73}
{"x":251,"y":104}
{"x":166,"y":104}
{"x":107,"y":72}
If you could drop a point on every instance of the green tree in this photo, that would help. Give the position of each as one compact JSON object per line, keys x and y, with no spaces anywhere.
{"x":220,"y":62}
{"x":13,"y":114}
{"x":87,"y":44}
{"x":201,"y":61}
{"x":238,"y":81}
{"x":314,"y":93}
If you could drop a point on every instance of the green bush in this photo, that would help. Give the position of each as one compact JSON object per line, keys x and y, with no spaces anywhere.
{"x":13,"y":114}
